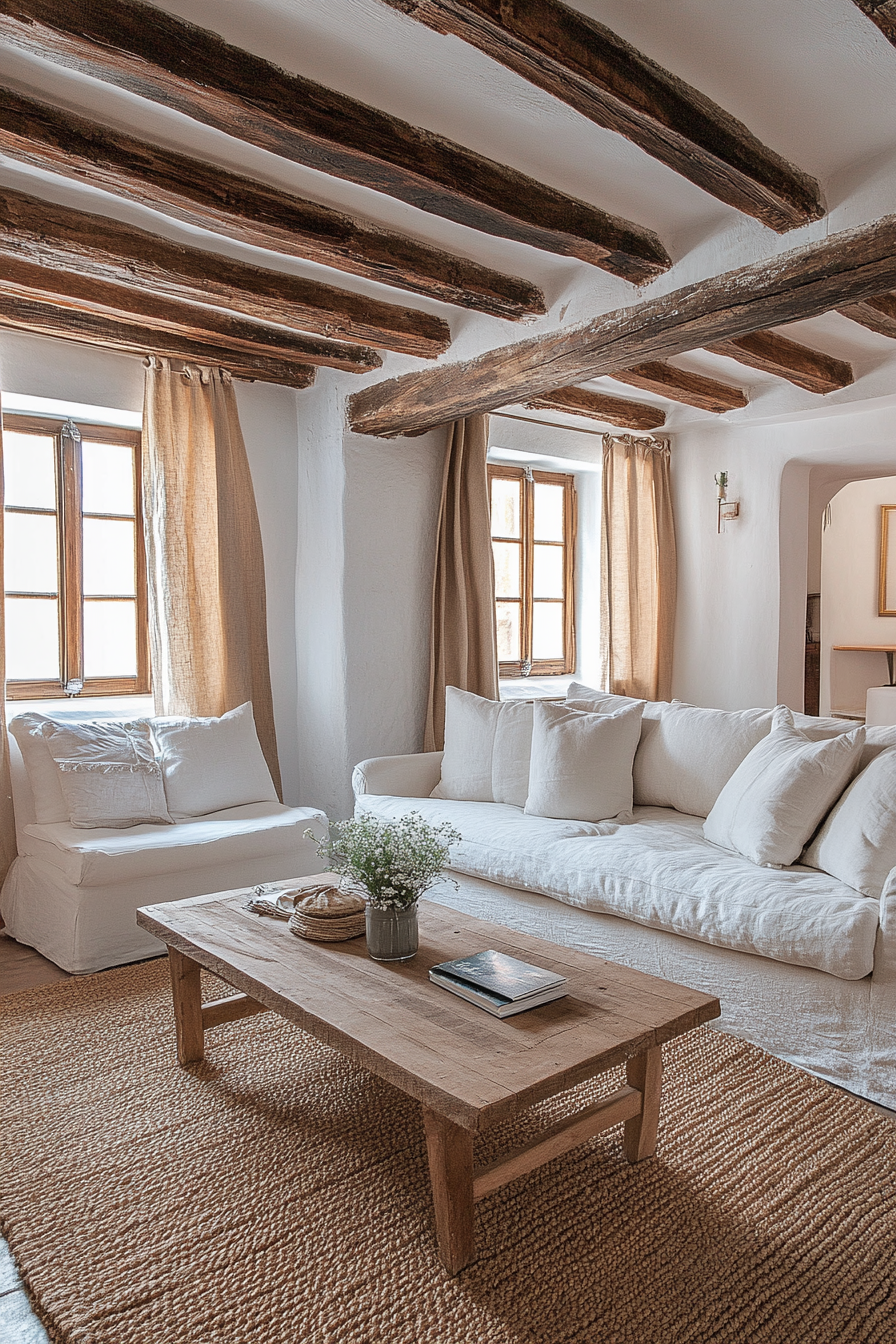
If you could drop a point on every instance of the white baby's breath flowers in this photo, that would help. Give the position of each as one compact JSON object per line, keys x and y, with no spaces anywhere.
{"x":394,"y":861}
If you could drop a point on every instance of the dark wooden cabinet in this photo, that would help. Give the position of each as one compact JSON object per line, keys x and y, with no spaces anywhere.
{"x":811,"y":678}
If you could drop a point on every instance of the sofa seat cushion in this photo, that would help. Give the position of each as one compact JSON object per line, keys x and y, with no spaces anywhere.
{"x":102,"y":856}
{"x":659,"y":871}
{"x":482,"y":824}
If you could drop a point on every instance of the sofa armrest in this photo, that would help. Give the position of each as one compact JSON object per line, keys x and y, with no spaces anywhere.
{"x":401,"y":776}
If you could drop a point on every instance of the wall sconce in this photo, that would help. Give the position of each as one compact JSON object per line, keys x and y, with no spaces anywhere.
{"x":728,"y":510}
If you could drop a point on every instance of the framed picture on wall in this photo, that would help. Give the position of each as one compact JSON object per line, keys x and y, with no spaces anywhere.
{"x":887,"y":600}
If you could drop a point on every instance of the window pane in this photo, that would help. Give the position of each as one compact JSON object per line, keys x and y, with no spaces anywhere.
{"x":547,"y":630}
{"x":110,"y":639}
{"x":32,"y":639}
{"x":508,"y":615}
{"x":508,"y":555}
{"x":107,"y":477}
{"x":108,"y":557}
{"x":549,"y":512}
{"x":505,"y":507}
{"x":29,"y":562}
{"x":29,"y":470}
{"x":548,"y":576}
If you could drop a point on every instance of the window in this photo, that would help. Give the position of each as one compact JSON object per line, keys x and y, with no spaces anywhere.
{"x":75,"y":571}
{"x":533,"y":538}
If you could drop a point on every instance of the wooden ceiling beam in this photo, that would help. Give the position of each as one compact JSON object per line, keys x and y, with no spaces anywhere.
{"x":604,"y":78}
{"x":692,"y":389}
{"x":799,"y":284}
{"x":51,"y":235}
{"x":881,"y":12}
{"x":771,"y":353}
{"x":158,"y":56}
{"x":209,"y":197}
{"x":598,"y":406}
{"x":877,"y":314}
{"x":135,"y":338}
{"x":71,"y":291}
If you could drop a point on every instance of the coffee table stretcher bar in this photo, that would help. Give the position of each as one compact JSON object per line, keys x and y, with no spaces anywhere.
{"x":456,"y":1184}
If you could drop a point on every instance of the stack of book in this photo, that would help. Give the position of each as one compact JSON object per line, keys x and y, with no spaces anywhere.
{"x":499,"y":984}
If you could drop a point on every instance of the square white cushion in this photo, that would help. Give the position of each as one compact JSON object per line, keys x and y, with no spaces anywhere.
{"x":43,"y":775}
{"x":487,"y":744}
{"x":581,"y":763}
{"x":857,"y":840}
{"x":108,"y":773}
{"x":775,"y":799}
{"x":690,"y":755}
{"x":686,"y":754}
{"x":212,"y":764}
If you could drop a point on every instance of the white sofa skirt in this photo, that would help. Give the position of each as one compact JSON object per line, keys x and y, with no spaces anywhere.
{"x":85,"y":928}
{"x":841,"y":1030}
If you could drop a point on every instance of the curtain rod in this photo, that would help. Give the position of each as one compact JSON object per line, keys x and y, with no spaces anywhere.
{"x":555,"y":424}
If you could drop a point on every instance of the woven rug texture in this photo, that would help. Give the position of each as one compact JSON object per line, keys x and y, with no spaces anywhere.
{"x":278,"y":1194}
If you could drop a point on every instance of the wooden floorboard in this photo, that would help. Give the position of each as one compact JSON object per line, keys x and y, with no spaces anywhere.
{"x":23,"y":968}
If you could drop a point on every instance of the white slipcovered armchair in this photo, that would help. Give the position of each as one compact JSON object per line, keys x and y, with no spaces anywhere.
{"x":73,"y":891}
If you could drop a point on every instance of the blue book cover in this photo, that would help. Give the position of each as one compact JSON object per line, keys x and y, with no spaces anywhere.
{"x":499,"y":974}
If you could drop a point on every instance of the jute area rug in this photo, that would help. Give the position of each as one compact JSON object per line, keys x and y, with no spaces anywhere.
{"x":278,"y":1194}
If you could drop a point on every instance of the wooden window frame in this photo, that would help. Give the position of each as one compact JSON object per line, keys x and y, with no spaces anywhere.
{"x":529,"y":478}
{"x":69,"y":518}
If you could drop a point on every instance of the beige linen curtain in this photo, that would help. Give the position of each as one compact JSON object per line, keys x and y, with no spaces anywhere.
{"x":638,"y":570}
{"x":205,"y":567}
{"x":464,"y":649}
{"x":7,"y":815}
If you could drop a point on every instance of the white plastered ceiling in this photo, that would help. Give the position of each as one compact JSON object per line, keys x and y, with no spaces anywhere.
{"x":814,"y":79}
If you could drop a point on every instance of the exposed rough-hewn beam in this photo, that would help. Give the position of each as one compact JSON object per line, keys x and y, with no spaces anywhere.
{"x":598,"y":406}
{"x":803,"y":283}
{"x":159,"y":56}
{"x":104,"y":249}
{"x":208,"y":197}
{"x":609,"y":81}
{"x":877,"y":314}
{"x":771,"y":353}
{"x":67,"y":289}
{"x":881,"y":12}
{"x":681,"y":385}
{"x":134,"y":338}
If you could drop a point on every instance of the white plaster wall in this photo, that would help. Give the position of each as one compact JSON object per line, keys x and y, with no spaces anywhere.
{"x":392,"y":497}
{"x":40,"y":367}
{"x":849,"y":595}
{"x":740,"y":626}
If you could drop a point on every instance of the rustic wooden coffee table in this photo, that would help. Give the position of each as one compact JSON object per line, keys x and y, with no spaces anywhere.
{"x":468,"y":1069}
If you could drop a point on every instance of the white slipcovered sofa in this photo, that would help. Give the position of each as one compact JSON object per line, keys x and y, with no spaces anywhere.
{"x":804,"y":964}
{"x":73,"y":891}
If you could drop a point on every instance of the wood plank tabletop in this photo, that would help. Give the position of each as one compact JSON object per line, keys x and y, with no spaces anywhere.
{"x":455,"y":1058}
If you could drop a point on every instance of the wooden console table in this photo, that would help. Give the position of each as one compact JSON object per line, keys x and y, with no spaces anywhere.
{"x":888,"y":649}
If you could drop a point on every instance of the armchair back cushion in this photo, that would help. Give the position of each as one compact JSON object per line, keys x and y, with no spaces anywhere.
{"x":212,"y":764}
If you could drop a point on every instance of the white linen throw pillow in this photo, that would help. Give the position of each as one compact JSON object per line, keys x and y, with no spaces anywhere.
{"x":776,"y":797}
{"x":108,"y":774}
{"x":689,"y":757}
{"x":212,"y":764}
{"x":581,"y":764}
{"x":487,"y":745}
{"x":857,"y":839}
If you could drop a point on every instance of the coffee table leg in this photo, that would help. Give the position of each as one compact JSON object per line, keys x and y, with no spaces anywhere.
{"x":187,"y":995}
{"x":450,"y":1149}
{"x":645,"y":1072}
